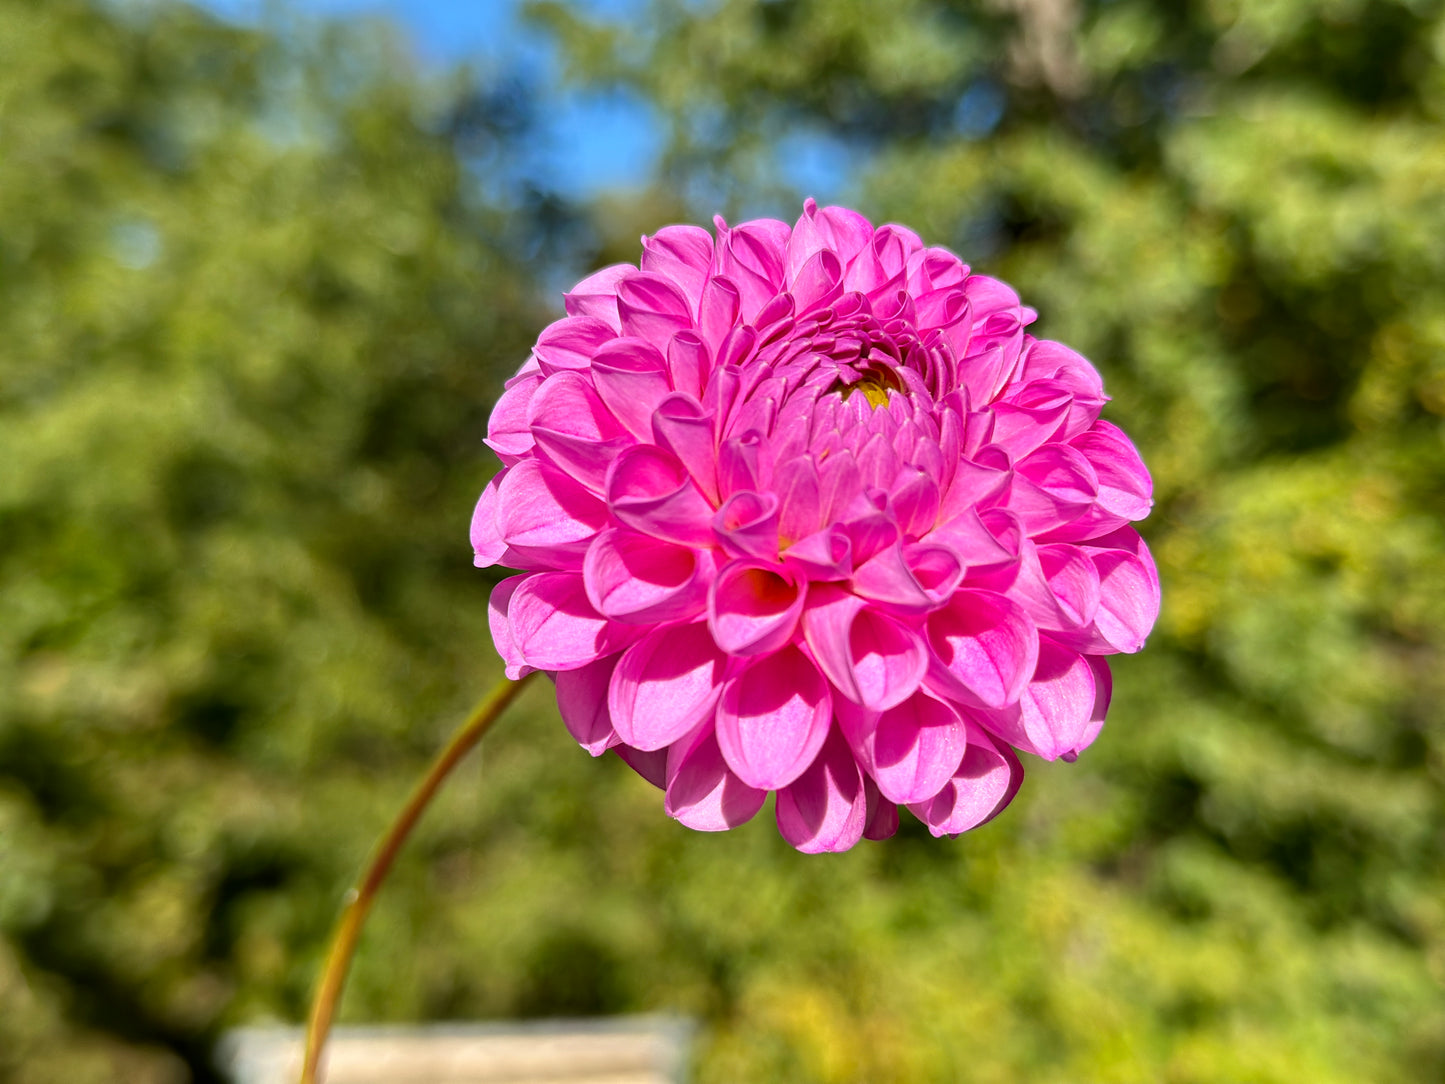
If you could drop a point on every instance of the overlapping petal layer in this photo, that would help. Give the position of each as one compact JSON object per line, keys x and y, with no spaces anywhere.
{"x":807,"y":510}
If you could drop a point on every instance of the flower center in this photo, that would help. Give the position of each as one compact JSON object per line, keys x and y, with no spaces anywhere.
{"x":875,"y":381}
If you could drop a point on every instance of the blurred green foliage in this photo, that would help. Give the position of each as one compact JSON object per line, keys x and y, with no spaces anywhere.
{"x":256,"y":296}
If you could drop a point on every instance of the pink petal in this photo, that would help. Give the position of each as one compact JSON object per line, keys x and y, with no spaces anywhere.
{"x":987,"y":372}
{"x":1056,"y":711}
{"x":575,"y":429}
{"x":682,"y":254}
{"x":665,"y":685}
{"x":882,"y":814}
{"x":836,"y":229}
{"x":546,"y":519}
{"x":935,"y":568}
{"x":1074,"y":581}
{"x":582,"y":702}
{"x":596,"y":295}
{"x":501,"y":626}
{"x":630,"y":376}
{"x":681,"y":426}
{"x":824,"y":555}
{"x":1051,"y":487}
{"x":652,"y":307}
{"x":1058,"y":586}
{"x":845,"y":232}
{"x":799,"y":493}
{"x":838,"y":485}
{"x":877,"y":461}
{"x":487,"y":544}
{"x":942,"y":308}
{"x":702,"y":791}
{"x":985,"y":782}
{"x":1021,"y":429}
{"x":718,"y":312}
{"x":869,"y":275}
{"x":751,"y":256}
{"x":739,"y":463}
{"x":553,"y":625}
{"x":638,"y":579}
{"x":773,"y":718}
{"x":508,"y":432}
{"x":774,"y":319}
{"x":886,"y":579}
{"x":871,"y":658}
{"x":688,"y":363}
{"x":911,"y":750}
{"x":974,"y":483}
{"x":747,"y":525}
{"x":1055,"y":362}
{"x":753,"y":607}
{"x":985,"y":648}
{"x":1126,"y":540}
{"x":825,"y":808}
{"x":991,"y":296}
{"x":570,"y":343}
{"x":870,"y":525}
{"x":891,"y":304}
{"x":1128,"y":597}
{"x":916,"y":503}
{"x":938,"y":269}
{"x":819,"y":281}
{"x":977,"y":431}
{"x":649,"y":490}
{"x":895,"y":247}
{"x":989,"y":554}
{"x":651,"y":765}
{"x":1125,"y":487}
{"x":1006,"y":529}
{"x":1092,"y":522}
{"x":1103,"y":693}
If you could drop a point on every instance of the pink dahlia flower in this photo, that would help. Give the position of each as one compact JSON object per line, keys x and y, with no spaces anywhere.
{"x":806,"y":510}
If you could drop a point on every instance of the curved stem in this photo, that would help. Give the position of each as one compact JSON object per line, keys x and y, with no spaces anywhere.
{"x":360,"y":898}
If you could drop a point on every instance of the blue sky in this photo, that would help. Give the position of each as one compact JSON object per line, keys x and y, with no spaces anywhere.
{"x":591,"y":142}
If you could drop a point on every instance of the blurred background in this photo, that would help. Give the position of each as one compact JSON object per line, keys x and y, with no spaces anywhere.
{"x":263,"y":268}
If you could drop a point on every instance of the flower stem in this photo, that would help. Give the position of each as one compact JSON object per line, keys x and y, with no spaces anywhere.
{"x":360,"y":898}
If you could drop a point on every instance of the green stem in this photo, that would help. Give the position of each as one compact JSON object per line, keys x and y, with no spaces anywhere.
{"x":360,"y":898}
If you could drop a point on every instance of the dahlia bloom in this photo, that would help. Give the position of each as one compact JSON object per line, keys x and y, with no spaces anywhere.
{"x":806,"y":510}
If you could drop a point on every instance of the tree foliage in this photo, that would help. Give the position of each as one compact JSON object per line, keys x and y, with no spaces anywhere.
{"x":252,"y":319}
{"x":1238,"y":211}
{"x":256,"y":295}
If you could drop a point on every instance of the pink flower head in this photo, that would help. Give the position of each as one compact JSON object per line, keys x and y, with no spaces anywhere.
{"x":808,"y":511}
